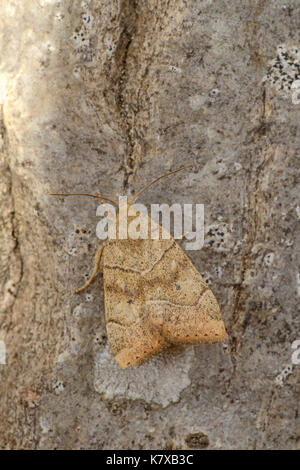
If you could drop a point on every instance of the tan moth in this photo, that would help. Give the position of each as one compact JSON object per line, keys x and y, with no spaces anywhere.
{"x":154,"y":296}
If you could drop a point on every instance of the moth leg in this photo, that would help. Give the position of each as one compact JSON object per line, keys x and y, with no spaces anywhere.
{"x":95,"y":270}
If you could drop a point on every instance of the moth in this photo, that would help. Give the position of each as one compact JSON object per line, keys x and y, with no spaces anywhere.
{"x":154,"y":296}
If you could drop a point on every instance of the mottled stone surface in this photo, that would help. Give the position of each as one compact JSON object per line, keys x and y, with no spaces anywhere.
{"x":100,"y":95}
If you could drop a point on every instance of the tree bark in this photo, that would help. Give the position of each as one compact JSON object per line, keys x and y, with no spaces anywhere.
{"x":105,"y":96}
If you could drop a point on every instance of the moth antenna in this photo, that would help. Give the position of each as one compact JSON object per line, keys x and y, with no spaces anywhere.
{"x":135,"y":196}
{"x":97,"y":196}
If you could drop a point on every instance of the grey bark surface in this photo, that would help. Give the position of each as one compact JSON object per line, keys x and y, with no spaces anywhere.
{"x":105,"y":96}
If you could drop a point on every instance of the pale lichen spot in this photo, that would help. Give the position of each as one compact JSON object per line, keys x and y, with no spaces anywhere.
{"x":174,"y":69}
{"x":284,"y":72}
{"x":269,"y":258}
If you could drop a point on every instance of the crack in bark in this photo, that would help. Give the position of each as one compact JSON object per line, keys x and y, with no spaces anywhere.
{"x":262,"y":419}
{"x":15,"y":278}
{"x":139,"y":24}
{"x":129,"y":17}
{"x":239,"y":323}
